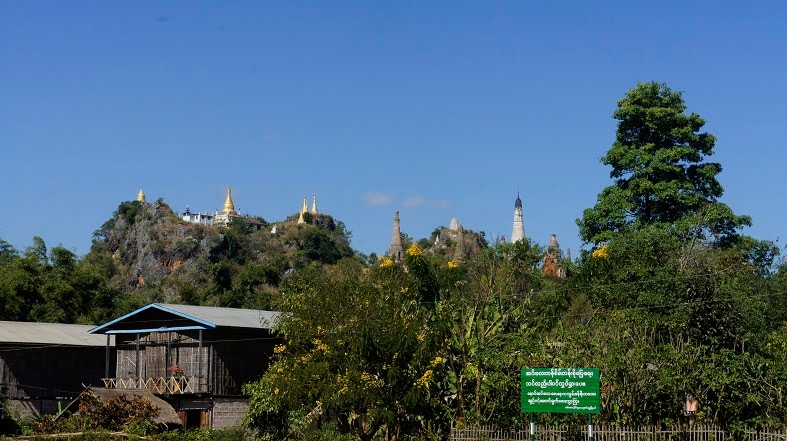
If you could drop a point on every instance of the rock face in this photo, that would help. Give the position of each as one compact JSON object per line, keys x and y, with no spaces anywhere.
{"x":148,"y":242}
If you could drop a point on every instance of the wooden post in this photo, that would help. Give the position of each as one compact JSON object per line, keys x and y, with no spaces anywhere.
{"x":199,"y":363}
{"x":137,"y":365}
{"x":167,"y":355}
{"x":106,"y":362}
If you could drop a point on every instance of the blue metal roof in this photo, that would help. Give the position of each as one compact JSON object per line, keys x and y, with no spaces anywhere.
{"x":199,"y":317}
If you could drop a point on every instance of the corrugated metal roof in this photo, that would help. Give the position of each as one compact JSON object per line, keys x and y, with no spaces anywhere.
{"x":50,"y":333}
{"x":232,"y":317}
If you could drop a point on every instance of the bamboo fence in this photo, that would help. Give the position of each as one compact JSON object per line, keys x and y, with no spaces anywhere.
{"x":618,"y":433}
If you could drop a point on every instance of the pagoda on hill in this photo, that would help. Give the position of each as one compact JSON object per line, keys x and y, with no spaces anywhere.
{"x":227,"y":212}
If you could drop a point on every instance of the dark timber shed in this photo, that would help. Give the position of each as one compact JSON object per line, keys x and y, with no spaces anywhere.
{"x":42,"y":364}
{"x":196,"y":357}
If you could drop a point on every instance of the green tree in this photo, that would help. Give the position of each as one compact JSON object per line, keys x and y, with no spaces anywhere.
{"x":667,"y":320}
{"x":358,"y":351}
{"x":7,"y":252}
{"x":20,"y":282}
{"x":492,"y":319}
{"x":660,"y":175}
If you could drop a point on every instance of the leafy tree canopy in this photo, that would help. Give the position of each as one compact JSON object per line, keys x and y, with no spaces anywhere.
{"x":660,"y":175}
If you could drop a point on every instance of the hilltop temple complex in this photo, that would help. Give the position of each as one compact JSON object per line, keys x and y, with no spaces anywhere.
{"x":455,"y":235}
{"x":552,"y":265}
{"x":228,"y":213}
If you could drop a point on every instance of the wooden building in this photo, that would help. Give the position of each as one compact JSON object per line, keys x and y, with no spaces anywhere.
{"x":196,"y":357}
{"x":42,"y":364}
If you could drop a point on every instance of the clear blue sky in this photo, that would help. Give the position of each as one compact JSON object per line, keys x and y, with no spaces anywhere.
{"x":436,"y":109}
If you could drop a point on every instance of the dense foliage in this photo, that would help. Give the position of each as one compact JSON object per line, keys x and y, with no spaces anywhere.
{"x":133,"y":415}
{"x":402,"y":349}
{"x":54,"y":285}
{"x":671,"y":301}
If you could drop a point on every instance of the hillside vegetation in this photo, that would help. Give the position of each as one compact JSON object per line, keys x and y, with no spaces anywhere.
{"x":144,"y":253}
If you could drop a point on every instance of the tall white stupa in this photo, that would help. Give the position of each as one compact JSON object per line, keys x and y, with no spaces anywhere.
{"x":519,"y":227}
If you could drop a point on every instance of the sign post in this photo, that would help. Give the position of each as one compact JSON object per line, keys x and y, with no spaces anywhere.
{"x":590,"y":427}
{"x":561,"y":390}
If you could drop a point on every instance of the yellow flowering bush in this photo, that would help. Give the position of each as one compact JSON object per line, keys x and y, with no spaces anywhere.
{"x":601,"y":253}
{"x":425,"y":378}
{"x":414,"y":250}
{"x":385,"y":262}
{"x":320,"y":346}
{"x":437,"y":361}
{"x":453,"y":264}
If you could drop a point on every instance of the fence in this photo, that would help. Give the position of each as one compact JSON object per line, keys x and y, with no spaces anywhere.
{"x":617,"y":433}
{"x":159,"y":385}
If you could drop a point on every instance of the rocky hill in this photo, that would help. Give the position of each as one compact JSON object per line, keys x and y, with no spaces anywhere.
{"x":156,"y":256}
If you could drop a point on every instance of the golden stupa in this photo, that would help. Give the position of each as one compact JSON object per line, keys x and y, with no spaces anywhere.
{"x":304,"y":209}
{"x":229,"y":206}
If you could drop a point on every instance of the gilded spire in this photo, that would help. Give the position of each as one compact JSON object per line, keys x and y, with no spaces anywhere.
{"x":141,"y":196}
{"x":314,"y":204}
{"x":304,"y":210}
{"x":229,"y":207}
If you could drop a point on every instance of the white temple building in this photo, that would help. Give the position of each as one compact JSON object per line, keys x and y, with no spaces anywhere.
{"x":202,"y":218}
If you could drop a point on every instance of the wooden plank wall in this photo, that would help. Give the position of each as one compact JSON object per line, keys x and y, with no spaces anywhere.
{"x":230,"y":357}
{"x":183,"y":352}
{"x":44,"y":371}
{"x":241,"y":356}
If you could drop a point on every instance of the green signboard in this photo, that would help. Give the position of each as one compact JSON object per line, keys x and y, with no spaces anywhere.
{"x":548,"y":390}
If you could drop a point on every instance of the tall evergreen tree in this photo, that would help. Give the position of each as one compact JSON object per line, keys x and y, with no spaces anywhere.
{"x":660,"y":175}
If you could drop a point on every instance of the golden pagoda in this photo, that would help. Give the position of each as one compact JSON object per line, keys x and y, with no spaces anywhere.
{"x":229,"y":206}
{"x":227,"y":212}
{"x":141,"y":196}
{"x":314,"y":204}
{"x":304,"y":210}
